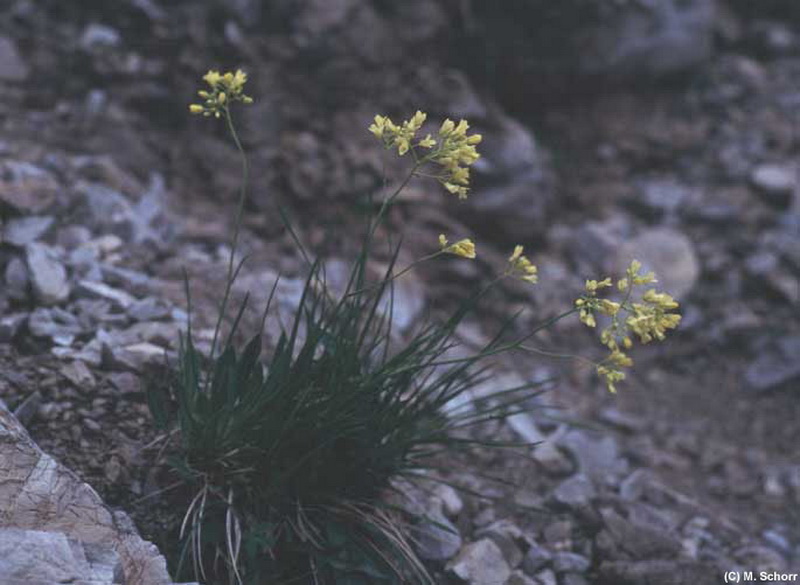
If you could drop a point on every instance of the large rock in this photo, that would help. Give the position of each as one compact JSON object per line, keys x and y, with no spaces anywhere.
{"x":538,"y":47}
{"x":33,"y":557}
{"x":667,"y":252}
{"x":514,"y":183}
{"x":73,"y":536}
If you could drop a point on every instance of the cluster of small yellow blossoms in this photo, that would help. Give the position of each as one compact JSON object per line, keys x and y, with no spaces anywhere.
{"x":649,"y":319}
{"x":521,"y":267}
{"x":452,"y":150}
{"x":225,"y":89}
{"x":464,"y":248}
{"x":401,"y":137}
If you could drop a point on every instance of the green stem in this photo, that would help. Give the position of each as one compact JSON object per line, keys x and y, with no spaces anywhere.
{"x":236,"y":230}
{"x":392,"y":197}
{"x":565,"y":356}
{"x":500,"y":349}
{"x":396,"y":275}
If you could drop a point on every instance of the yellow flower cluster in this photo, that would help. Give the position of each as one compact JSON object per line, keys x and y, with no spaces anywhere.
{"x":521,"y":267}
{"x":455,"y":154}
{"x":464,"y":248}
{"x":225,"y":89}
{"x":649,"y":319}
{"x":401,"y":137}
{"x":452,"y":150}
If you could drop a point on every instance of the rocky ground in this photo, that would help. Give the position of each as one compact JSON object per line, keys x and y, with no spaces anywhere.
{"x":666,"y":129}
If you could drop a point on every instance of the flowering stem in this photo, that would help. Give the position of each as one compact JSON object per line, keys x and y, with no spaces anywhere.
{"x":392,"y":197}
{"x":566,"y":356}
{"x":237,"y":228}
{"x":398,"y":274}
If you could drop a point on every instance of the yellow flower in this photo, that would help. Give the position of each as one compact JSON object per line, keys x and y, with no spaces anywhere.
{"x":377,"y":126}
{"x":427,"y":142}
{"x":587,"y":318}
{"x":521,"y":267}
{"x":592,"y":285}
{"x":416,"y":121}
{"x":608,"y":307}
{"x":464,"y":248}
{"x":212,"y":78}
{"x":612,"y":376}
{"x":457,"y":190}
{"x":619,"y":359}
{"x":225,"y":89}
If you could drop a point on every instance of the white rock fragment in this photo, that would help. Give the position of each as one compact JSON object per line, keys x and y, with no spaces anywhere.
{"x":48,"y":276}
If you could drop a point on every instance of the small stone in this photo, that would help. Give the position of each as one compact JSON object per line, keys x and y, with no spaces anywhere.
{"x":597,"y":456}
{"x":776,"y":366}
{"x":48,"y":276}
{"x":137,"y":356}
{"x":79,"y":374}
{"x":125,"y":382}
{"x":22,"y":231}
{"x":524,"y":425}
{"x":505,"y":535}
{"x":575,"y":493}
{"x":659,"y":197}
{"x":520,"y":578}
{"x":49,"y":411}
{"x":12,"y":67}
{"x":777,"y":541}
{"x":552,"y":460}
{"x":119,"y":298}
{"x":574,"y":579}
{"x":17,"y":279}
{"x":546,"y":577}
{"x":437,"y":539}
{"x":99,"y":36}
{"x":776,"y":182}
{"x":28,"y":408}
{"x":92,"y":425}
{"x":452,"y":504}
{"x":568,"y":562}
{"x":149,"y":309}
{"x":558,"y":534}
{"x":10,"y":325}
{"x":56,"y":324}
{"x":480,"y":563}
{"x":26,"y":187}
{"x":536,"y":558}
{"x":137,"y":283}
{"x":113,"y":469}
{"x":640,"y":540}
{"x":73,"y":236}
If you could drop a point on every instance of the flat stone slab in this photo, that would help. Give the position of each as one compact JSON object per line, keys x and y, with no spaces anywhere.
{"x":54,"y":528}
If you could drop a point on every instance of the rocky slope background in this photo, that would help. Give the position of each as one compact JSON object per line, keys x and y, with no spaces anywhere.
{"x":665,"y":128}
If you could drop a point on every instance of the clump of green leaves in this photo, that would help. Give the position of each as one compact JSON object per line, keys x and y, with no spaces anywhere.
{"x":290,"y":459}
